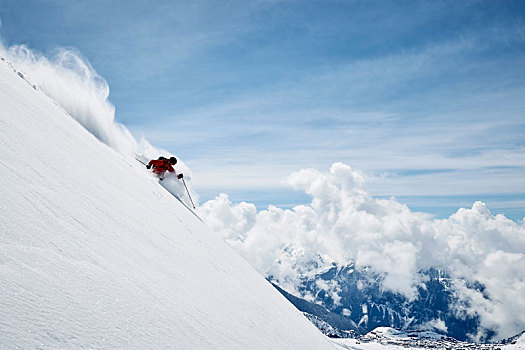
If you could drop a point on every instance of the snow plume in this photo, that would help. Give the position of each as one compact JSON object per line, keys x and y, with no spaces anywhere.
{"x":73,"y":83}
{"x":344,"y":223}
{"x":70,"y":80}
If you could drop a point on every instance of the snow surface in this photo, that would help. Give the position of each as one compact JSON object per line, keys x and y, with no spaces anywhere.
{"x":95,"y":254}
{"x":518,"y":345}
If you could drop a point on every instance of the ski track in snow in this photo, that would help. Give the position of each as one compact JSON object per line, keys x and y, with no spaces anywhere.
{"x":93,"y":254}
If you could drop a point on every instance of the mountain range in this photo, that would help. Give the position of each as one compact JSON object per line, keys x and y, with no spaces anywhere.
{"x":362,"y":304}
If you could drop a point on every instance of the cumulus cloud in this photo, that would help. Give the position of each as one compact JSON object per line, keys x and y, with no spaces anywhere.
{"x":344,"y":223}
{"x":69,"y":79}
{"x":436,"y":324}
{"x":232,"y":222}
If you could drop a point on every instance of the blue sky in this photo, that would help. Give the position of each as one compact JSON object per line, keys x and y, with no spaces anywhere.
{"x":427,"y":98}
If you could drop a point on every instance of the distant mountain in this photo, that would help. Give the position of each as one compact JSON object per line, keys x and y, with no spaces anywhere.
{"x":363,"y":300}
{"x":331,"y":324}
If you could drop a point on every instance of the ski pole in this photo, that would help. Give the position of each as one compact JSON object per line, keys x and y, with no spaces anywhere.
{"x":184,"y":182}
{"x":140,"y":161}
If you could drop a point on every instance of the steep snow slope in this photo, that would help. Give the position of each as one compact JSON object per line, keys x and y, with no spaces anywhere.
{"x":95,"y":254}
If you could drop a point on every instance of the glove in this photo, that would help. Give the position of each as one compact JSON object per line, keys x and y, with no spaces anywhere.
{"x":148,"y":166}
{"x":180,"y":176}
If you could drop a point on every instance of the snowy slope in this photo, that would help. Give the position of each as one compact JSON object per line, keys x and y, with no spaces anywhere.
{"x":95,"y":254}
{"x":515,"y":343}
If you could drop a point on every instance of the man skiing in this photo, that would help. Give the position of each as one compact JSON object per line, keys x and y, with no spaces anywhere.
{"x":161,"y":165}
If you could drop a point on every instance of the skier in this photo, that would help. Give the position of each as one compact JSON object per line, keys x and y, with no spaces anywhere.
{"x":161,"y":165}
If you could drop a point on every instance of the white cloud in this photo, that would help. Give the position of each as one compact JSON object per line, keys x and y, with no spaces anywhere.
{"x":345,"y":223}
{"x":436,"y":324}
{"x":232,"y":222}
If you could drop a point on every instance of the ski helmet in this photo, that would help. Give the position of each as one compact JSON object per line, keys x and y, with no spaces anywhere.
{"x":162,"y":158}
{"x":173,"y":160}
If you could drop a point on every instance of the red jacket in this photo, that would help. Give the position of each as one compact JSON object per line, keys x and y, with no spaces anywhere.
{"x":160,"y":166}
